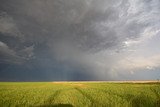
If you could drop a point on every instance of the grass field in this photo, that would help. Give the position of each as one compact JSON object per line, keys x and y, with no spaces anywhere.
{"x":79,"y":94}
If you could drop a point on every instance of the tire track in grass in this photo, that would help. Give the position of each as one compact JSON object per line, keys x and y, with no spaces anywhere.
{"x":93,"y":102}
{"x":106,"y":92}
{"x":157,"y":94}
{"x":110,"y":93}
{"x":135,"y":100}
{"x":126,"y":97}
{"x":55,"y":95}
{"x":52,"y":98}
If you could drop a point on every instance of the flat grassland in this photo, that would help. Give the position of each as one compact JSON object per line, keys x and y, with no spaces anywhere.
{"x":79,"y":94}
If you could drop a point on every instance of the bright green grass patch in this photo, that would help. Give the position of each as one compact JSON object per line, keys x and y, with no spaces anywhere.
{"x":79,"y":94}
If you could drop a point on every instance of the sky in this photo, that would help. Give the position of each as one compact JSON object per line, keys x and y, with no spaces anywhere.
{"x":64,"y":40}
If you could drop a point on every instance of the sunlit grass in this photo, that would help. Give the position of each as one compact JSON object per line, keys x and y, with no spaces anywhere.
{"x":79,"y":94}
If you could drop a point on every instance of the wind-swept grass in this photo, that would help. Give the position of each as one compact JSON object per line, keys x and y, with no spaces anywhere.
{"x":79,"y":94}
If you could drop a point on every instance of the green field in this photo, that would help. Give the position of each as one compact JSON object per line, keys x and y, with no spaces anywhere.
{"x":79,"y":94}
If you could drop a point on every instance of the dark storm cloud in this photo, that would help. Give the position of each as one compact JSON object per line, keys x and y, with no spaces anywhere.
{"x":72,"y":20}
{"x":8,"y":55}
{"x":89,"y":37}
{"x":12,"y":48}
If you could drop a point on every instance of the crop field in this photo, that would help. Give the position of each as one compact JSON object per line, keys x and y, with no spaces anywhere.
{"x":79,"y":94}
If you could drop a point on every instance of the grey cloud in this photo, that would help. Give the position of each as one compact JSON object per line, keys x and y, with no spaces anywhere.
{"x":90,"y":35}
{"x":13,"y":49}
{"x":60,"y":20}
{"x":8,"y":27}
{"x":27,"y":52}
{"x":8,"y":55}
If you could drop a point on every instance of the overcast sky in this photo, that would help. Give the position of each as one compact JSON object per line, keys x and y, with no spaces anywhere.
{"x":47,"y":40}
